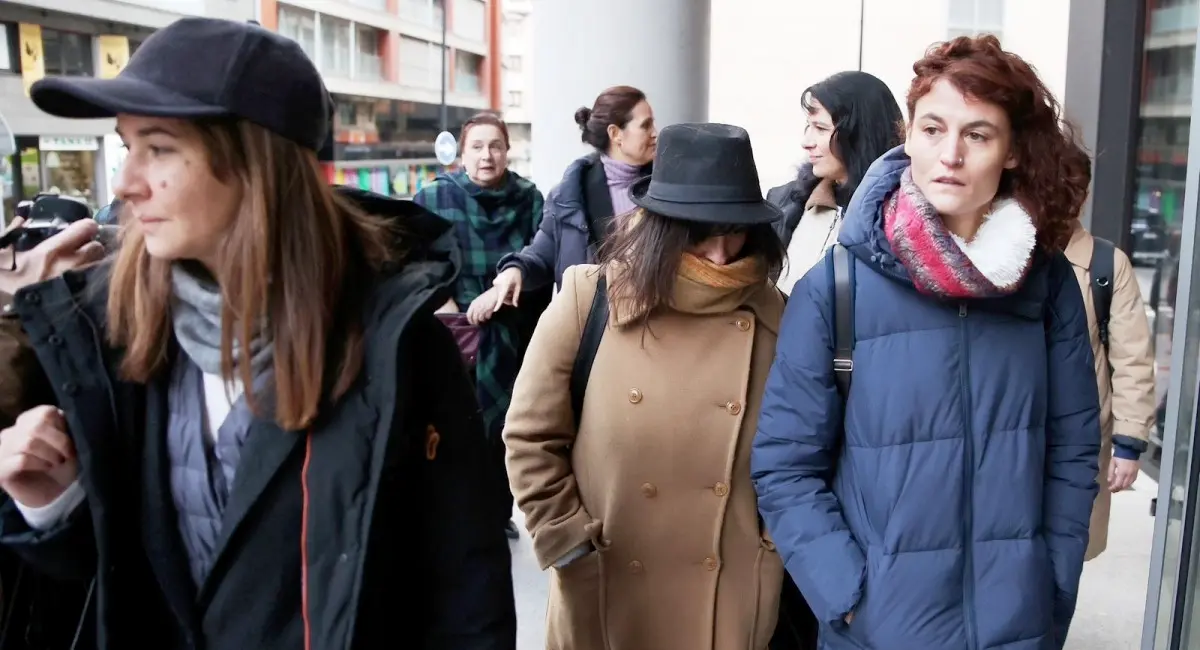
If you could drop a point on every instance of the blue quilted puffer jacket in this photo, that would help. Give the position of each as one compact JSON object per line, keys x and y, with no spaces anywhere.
{"x":948,"y":506}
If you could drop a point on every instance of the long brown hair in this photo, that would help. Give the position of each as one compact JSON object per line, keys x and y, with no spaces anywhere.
{"x":649,"y":248}
{"x":291,"y":260}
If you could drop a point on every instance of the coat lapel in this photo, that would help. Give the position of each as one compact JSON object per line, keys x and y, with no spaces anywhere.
{"x":265,"y":451}
{"x":160,"y":531}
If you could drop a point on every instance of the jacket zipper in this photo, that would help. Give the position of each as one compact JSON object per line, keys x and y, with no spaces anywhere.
{"x":968,"y":483}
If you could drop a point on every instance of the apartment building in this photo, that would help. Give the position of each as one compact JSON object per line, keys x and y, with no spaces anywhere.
{"x":518,"y":62}
{"x":73,"y":37}
{"x":383,"y":62}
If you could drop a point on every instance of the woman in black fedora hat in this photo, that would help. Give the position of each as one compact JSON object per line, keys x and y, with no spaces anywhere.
{"x":637,"y":491}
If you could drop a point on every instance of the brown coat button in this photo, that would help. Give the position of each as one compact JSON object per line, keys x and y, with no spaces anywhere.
{"x":710,"y":564}
{"x":649,"y":490}
{"x":720,"y":489}
{"x":742,"y":324}
{"x":635,"y":567}
{"x":635,"y":395}
{"x":733,"y":407}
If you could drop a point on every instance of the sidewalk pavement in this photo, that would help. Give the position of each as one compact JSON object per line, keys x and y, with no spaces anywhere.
{"x":1112,"y":594}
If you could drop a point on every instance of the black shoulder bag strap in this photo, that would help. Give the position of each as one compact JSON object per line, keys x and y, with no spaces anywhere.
{"x":1102,"y":271}
{"x":843,"y":314}
{"x":589,"y":342}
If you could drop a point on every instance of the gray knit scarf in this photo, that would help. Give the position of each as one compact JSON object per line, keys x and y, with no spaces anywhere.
{"x":196,"y":314}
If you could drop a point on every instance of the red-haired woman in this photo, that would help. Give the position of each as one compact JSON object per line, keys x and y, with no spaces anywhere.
{"x":943,"y":503}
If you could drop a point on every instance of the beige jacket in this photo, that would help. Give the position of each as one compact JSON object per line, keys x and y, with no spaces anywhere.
{"x":658,"y":477}
{"x":1127,"y":406}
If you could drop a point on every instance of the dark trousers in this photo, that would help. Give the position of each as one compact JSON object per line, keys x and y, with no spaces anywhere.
{"x":797,"y":627}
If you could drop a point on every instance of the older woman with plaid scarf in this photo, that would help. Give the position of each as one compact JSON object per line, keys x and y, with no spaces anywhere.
{"x":494,"y":212}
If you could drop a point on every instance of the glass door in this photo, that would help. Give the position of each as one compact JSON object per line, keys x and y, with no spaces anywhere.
{"x":1165,"y":234}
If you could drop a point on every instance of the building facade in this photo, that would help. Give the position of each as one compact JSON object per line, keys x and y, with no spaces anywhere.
{"x":383,"y":62}
{"x":518,"y":21}
{"x":76,"y":158}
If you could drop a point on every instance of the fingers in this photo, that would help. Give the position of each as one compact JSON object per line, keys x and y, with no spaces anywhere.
{"x":516,"y":290}
{"x":501,"y":296}
{"x":72,"y":238}
{"x":48,"y":426}
{"x":14,"y":224}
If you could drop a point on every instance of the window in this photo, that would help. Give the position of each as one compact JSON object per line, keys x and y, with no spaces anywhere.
{"x":1167,"y":16}
{"x":470,"y":19}
{"x":515,"y":99}
{"x":335,"y":47}
{"x":380,"y":5}
{"x":419,"y":65}
{"x":467,"y":67}
{"x":8,"y":50}
{"x":426,"y":12}
{"x":512,"y":62}
{"x":370,"y":59}
{"x":67,"y":53}
{"x":300,"y":26}
{"x":974,"y":17}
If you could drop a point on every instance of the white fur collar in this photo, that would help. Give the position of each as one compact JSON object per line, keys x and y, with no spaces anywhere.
{"x":1002,"y":246}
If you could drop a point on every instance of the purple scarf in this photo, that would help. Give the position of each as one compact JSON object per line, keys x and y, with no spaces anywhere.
{"x":620,"y":176}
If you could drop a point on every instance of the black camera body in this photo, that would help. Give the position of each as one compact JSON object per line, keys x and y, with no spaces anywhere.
{"x":48,"y":215}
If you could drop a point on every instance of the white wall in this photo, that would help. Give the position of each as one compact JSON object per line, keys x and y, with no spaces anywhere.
{"x":766,"y":52}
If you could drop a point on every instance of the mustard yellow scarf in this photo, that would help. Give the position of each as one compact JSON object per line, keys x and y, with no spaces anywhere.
{"x":738,"y":275}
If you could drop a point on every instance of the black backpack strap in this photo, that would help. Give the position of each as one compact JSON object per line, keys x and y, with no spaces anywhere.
{"x":589,"y":342}
{"x":1102,"y":270}
{"x":843,"y":313}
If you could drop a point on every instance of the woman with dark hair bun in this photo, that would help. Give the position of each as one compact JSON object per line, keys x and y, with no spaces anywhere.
{"x":852,"y":119}
{"x":579,"y":210}
{"x":946,"y":507}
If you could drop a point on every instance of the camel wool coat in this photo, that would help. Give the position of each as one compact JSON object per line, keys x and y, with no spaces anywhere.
{"x":657,"y":479}
{"x":1127,"y":406}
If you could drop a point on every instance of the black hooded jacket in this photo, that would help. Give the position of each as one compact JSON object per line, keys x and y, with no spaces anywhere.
{"x":367,"y":531}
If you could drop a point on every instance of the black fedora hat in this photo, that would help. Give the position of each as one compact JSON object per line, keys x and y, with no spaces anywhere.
{"x":705,"y":173}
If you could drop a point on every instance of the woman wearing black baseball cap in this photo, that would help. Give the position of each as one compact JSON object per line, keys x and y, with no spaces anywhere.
{"x":263,"y":436}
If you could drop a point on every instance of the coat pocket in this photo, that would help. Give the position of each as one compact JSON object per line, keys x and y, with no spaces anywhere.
{"x":575,"y":612}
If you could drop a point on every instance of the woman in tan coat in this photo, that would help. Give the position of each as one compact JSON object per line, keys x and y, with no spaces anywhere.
{"x":645,"y":512}
{"x":1124,"y":377}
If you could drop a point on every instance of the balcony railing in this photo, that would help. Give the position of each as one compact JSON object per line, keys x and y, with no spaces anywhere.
{"x":1175,"y":19}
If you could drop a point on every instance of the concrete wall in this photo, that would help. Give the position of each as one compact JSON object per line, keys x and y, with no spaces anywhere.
{"x":766,"y":52}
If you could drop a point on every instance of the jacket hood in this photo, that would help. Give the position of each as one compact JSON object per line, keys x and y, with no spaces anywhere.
{"x":424,"y":233}
{"x":569,"y":191}
{"x":863,"y":235}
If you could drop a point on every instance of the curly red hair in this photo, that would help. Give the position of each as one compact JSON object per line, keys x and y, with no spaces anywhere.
{"x":1053,"y":171}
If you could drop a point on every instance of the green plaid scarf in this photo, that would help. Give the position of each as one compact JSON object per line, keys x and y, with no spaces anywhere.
{"x":489,"y":224}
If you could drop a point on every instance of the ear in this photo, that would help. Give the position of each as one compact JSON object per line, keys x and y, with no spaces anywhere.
{"x":1011,"y":161}
{"x":613,"y":132}
{"x":907,"y":140}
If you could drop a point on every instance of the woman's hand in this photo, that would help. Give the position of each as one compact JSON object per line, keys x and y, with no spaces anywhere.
{"x":450,"y":307}
{"x":72,"y":248}
{"x":508,"y":288}
{"x":1122,"y":473}
{"x":37,"y":457}
{"x":483,"y":307}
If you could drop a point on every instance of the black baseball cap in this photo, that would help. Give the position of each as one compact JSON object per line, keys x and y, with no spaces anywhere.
{"x":206,"y":68}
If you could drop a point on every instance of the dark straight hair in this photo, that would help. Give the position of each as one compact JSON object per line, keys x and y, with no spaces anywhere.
{"x":650,"y":247}
{"x":867,"y":123}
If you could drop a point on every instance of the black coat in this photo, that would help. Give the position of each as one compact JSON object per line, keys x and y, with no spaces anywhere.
{"x":400,"y":549}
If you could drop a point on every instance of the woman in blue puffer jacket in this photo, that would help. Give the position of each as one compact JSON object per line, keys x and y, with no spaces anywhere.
{"x":944,"y":504}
